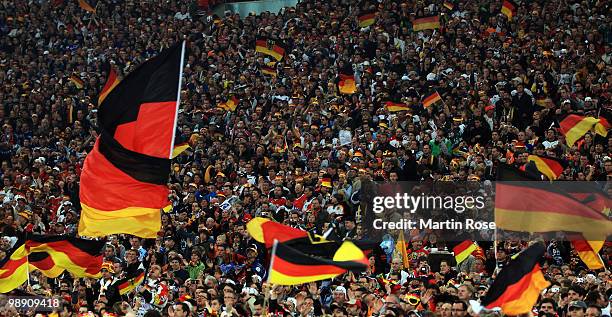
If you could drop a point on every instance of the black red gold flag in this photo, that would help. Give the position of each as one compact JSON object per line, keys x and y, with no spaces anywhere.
{"x":271,"y":47}
{"x":291,"y":267}
{"x":367,"y":18}
{"x":86,"y":6}
{"x":111,"y":82}
{"x":518,"y":285}
{"x":575,"y":127}
{"x":14,"y":267}
{"x":431,"y":99}
{"x":81,"y":257}
{"x":426,"y":23}
{"x":551,"y":167}
{"x":509,"y":8}
{"x":130,"y":282}
{"x":124,"y":178}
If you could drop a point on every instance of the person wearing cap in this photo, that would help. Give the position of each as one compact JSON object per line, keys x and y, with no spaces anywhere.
{"x":576,"y":308}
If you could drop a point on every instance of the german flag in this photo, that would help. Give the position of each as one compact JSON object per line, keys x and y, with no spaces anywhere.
{"x":42,"y":261}
{"x":14,"y":267}
{"x":129,"y":283}
{"x":463,"y":249}
{"x":270,"y":71}
{"x":431,"y":99}
{"x":271,"y":47}
{"x":124,"y":178}
{"x":346,"y":83}
{"x":77,"y":81}
{"x":81,"y":257}
{"x":180,"y":144}
{"x":518,"y":285}
{"x":449,"y":5}
{"x":111,"y":82}
{"x":265,"y":231}
{"x":509,"y":8}
{"x":289,"y":266}
{"x":86,"y":6}
{"x":367,"y":18}
{"x":229,"y":105}
{"x":552,"y":167}
{"x":326,"y":181}
{"x":575,"y":127}
{"x":395,"y":106}
{"x":544,"y":207}
{"x":588,"y":251}
{"x":426,"y":23}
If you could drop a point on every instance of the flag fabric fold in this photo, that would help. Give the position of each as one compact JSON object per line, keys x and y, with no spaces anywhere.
{"x":431,"y":99}
{"x":271,"y":47}
{"x":518,"y":285}
{"x":463,"y":249}
{"x":124,"y":178}
{"x":14,"y":267}
{"x":426,"y":23}
{"x":132,"y":281}
{"x":346,"y":82}
{"x":509,"y":9}
{"x":291,"y":267}
{"x":80,"y":257}
{"x":367,"y":18}
{"x":551,"y":167}
{"x":538,"y":206}
{"x":575,"y":127}
{"x":86,"y":6}
{"x":111,"y":82}
{"x":401,"y":250}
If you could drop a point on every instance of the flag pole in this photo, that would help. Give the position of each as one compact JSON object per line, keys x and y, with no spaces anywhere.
{"x":178,"y":98}
{"x":267,"y":295}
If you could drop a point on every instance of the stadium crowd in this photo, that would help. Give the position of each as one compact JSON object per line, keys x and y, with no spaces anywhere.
{"x":504,"y":85}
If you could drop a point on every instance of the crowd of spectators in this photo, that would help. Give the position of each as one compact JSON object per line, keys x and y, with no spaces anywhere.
{"x":504,"y":84}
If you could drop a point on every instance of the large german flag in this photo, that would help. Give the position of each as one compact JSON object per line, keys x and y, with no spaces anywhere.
{"x":111,"y":82}
{"x":123,"y":183}
{"x":575,"y":127}
{"x":426,"y":23}
{"x":289,"y":266}
{"x":43,"y":262}
{"x":367,"y":18}
{"x":346,"y":83}
{"x":545,"y":207}
{"x":517,"y":287}
{"x":552,"y":167}
{"x":271,"y":47}
{"x":265,"y":231}
{"x":129,"y":283}
{"x":14,"y":267}
{"x":509,"y":8}
{"x":81,"y":257}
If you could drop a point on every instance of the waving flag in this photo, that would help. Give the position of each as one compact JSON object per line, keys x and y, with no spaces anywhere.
{"x":14,"y":267}
{"x":575,"y":127}
{"x":111,"y":82}
{"x":431,"y":99}
{"x":271,"y":47}
{"x":291,"y":267}
{"x":124,"y":178}
{"x":130,"y":282}
{"x":367,"y":18}
{"x":86,"y":6}
{"x":426,"y":23}
{"x":509,"y":8}
{"x":517,"y":287}
{"x":81,"y":257}
{"x":552,"y":167}
{"x":346,"y":83}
